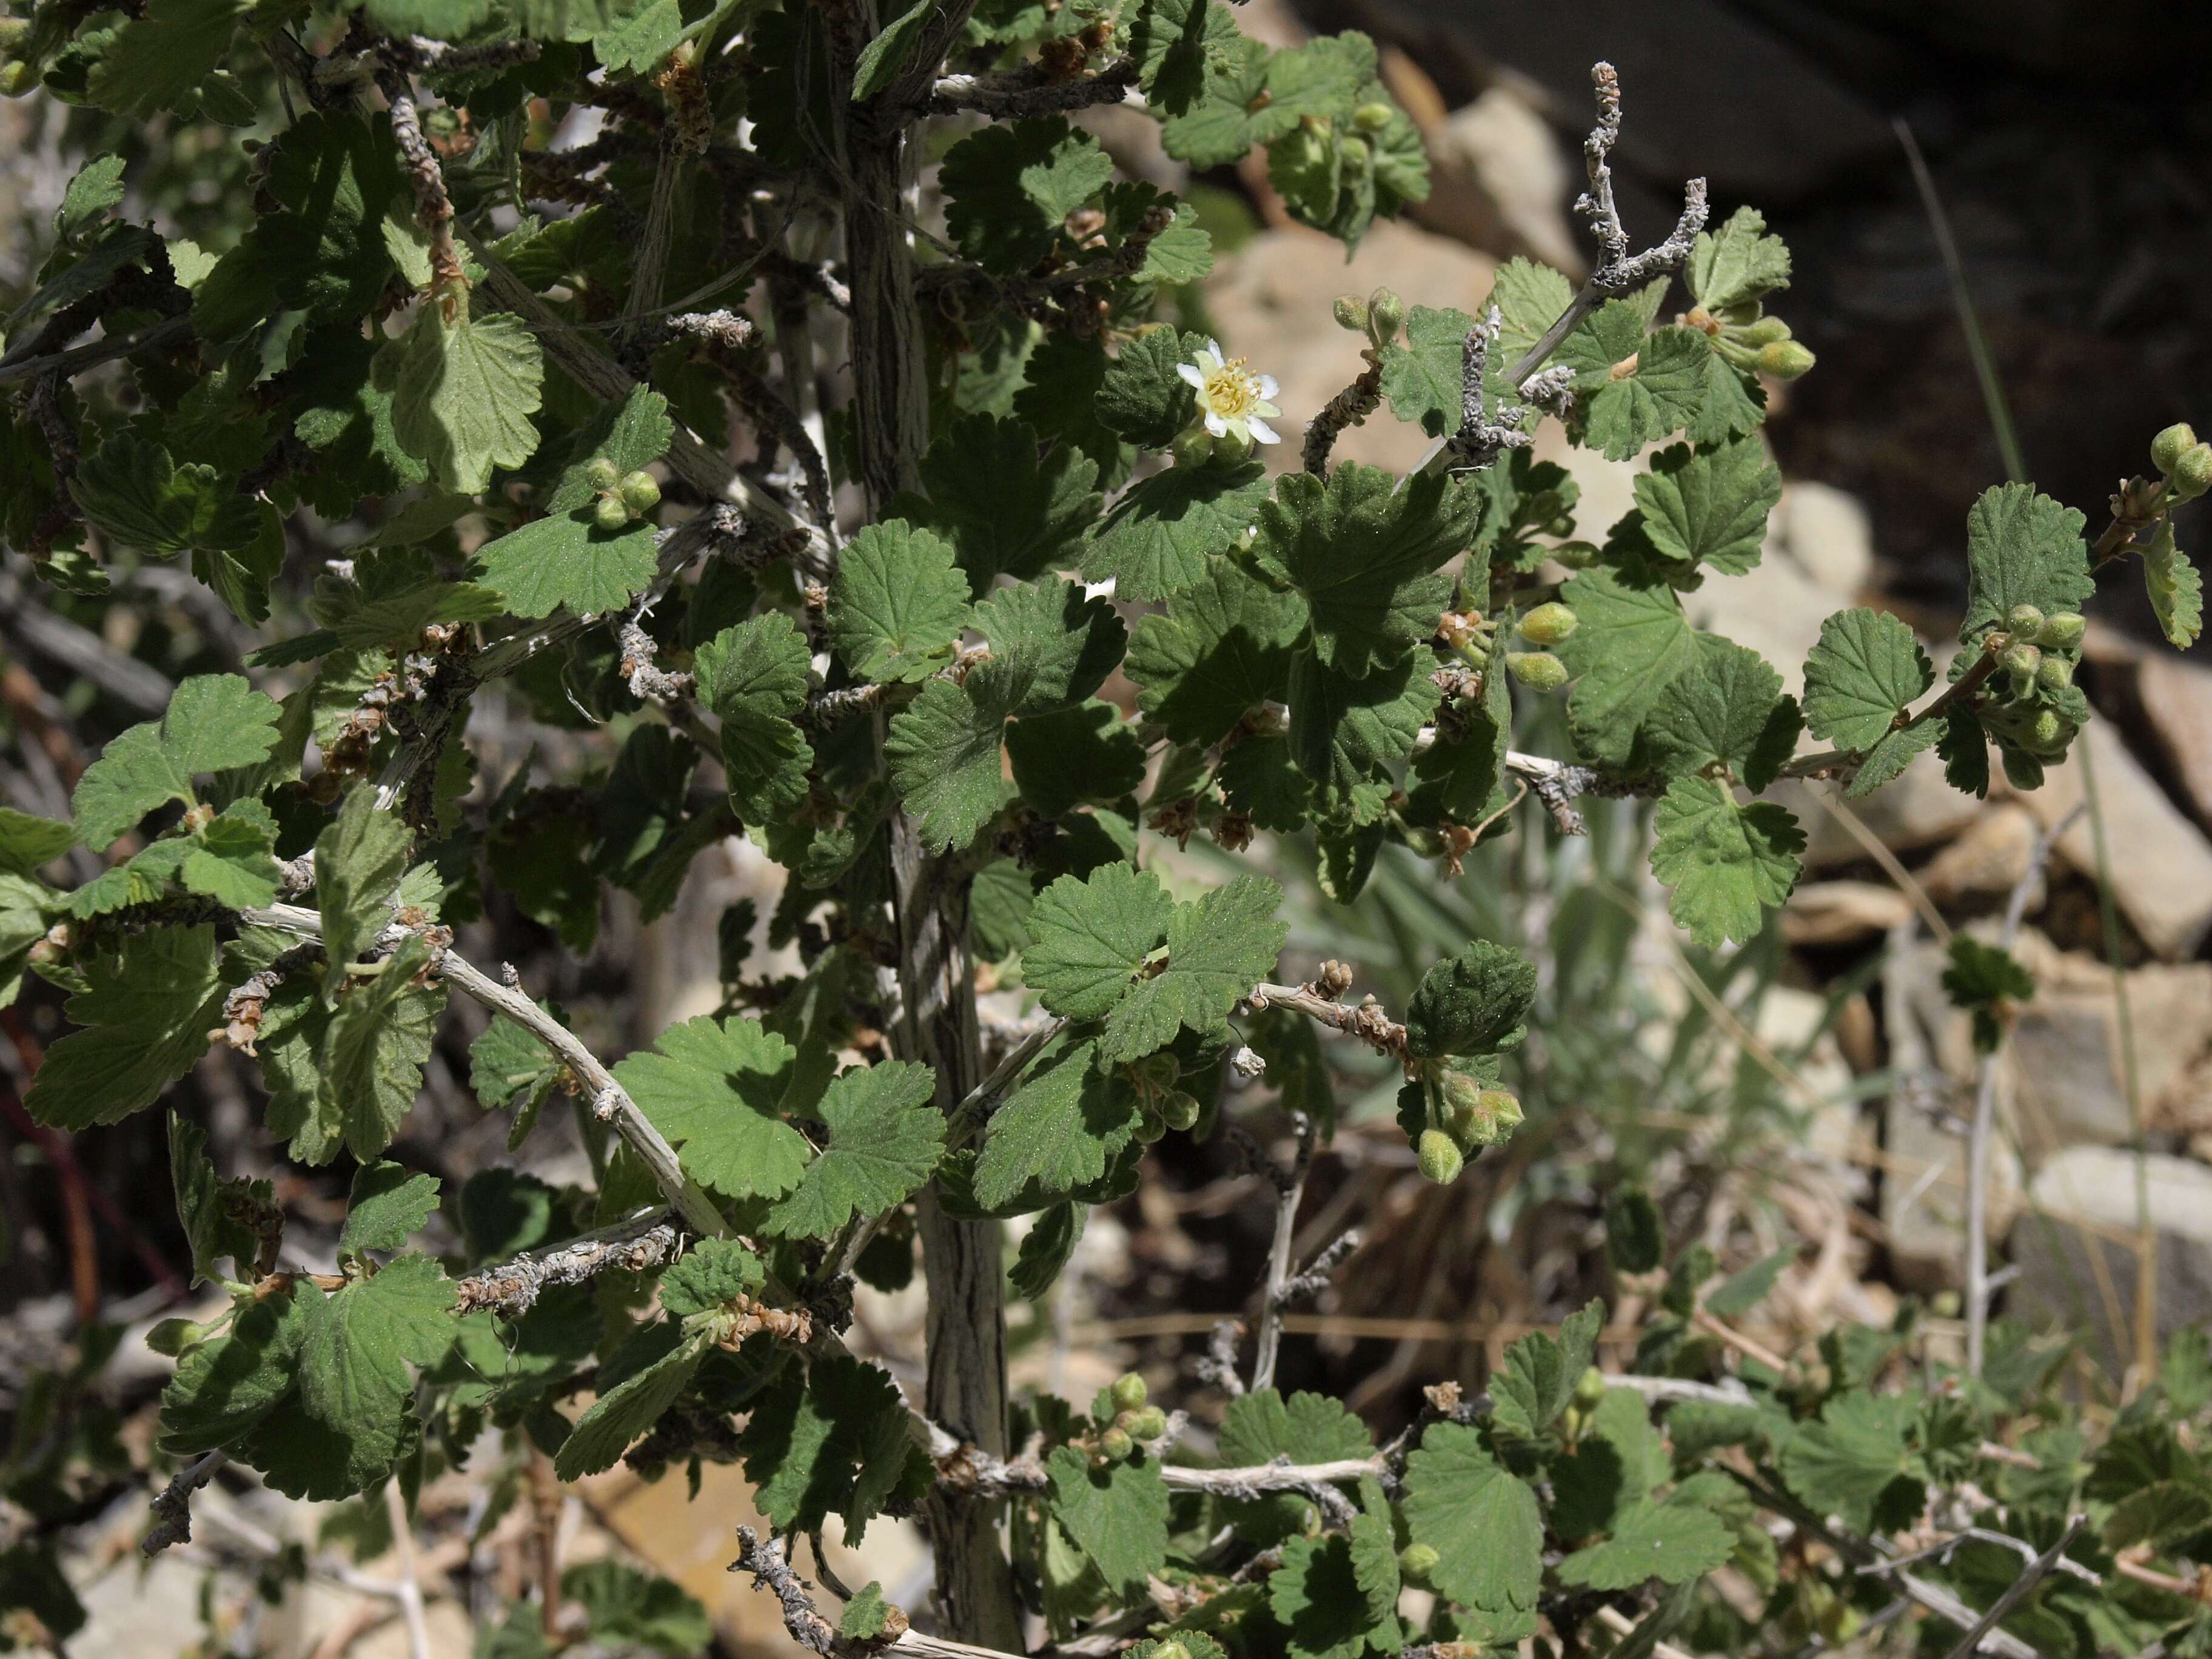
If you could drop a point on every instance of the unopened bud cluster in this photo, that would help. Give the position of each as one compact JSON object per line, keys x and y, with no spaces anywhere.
{"x":1465,"y":1115}
{"x":1125,"y":1421}
{"x":2034,"y":710}
{"x":1547,"y":625}
{"x":2184,"y":460}
{"x":624,"y":497}
{"x":1747,"y":336}
{"x":1163,"y":1104}
{"x":1379,"y":316}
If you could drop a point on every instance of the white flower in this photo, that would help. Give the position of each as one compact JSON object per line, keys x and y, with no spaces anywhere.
{"x":1232,"y":398}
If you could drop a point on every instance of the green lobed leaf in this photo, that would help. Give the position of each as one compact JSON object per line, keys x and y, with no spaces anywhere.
{"x":1482,"y":1521}
{"x":1726,"y":710}
{"x":716,"y":1089}
{"x":1218,"y":950}
{"x":885,"y":1140}
{"x":2176,"y":590}
{"x":1010,"y":186}
{"x":1090,"y":937}
{"x":1342,"y":730}
{"x":944,"y":750}
{"x":356,"y":1351}
{"x":215,"y":1224}
{"x":159,"y":59}
{"x":1635,"y":387}
{"x":1841,"y":1464}
{"x":1363,"y":550}
{"x":1335,"y":1595}
{"x":146,"y":1011}
{"x":1051,"y":647}
{"x":754,"y":676}
{"x":712,"y":1274}
{"x":1726,"y":862}
{"x":836,"y":1441}
{"x":2022,"y":548}
{"x":129,"y":488}
{"x":386,"y":1206}
{"x":1736,"y":264}
{"x":1537,"y":1379}
{"x":1710,"y":504}
{"x":462,"y":392}
{"x":1423,"y":378}
{"x":897,"y":603}
{"x":1088,"y":752}
{"x":1220,"y":648}
{"x":1007,"y":509}
{"x":214,"y":722}
{"x":27,"y":842}
{"x":629,"y":1409}
{"x":378,"y":1039}
{"x":1167,"y":531}
{"x":1867,"y":670}
{"x":1059,"y":1131}
{"x":1631,"y":645}
{"x":1116,"y":1513}
{"x":566,"y":561}
{"x":1675,"y":1543}
{"x":359,"y":860}
{"x":1471,"y":1004}
{"x":223,"y":1387}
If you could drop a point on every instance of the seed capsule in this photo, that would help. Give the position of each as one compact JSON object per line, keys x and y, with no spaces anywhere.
{"x":1116,"y":1446}
{"x":1385,"y":315}
{"x":640,"y":492}
{"x":1441,"y":1158}
{"x":2171,"y":445}
{"x":1417,"y":1561}
{"x":1178,"y":1109}
{"x":1547,"y":625}
{"x":2055,"y":673}
{"x":2192,"y":473}
{"x":1538,"y":671}
{"x":1784,"y":360}
{"x":1149,"y":1423}
{"x":2020,"y":661}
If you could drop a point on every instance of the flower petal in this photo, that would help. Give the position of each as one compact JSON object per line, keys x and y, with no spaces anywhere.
{"x":1216,"y":425}
{"x":1214,"y":346}
{"x":1263,"y":407}
{"x":1189,"y":373}
{"x":1268,"y":388}
{"x":1261,"y":432}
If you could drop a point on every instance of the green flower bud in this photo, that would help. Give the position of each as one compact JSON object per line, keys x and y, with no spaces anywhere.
{"x":1179,"y":1110}
{"x":1385,"y":315}
{"x":1129,"y":1393}
{"x":2062,"y":630}
{"x":1234,"y":447}
{"x":1149,"y":1127}
{"x":640,"y":493}
{"x":610,"y":513}
{"x":19,"y":80}
{"x":1538,"y":671}
{"x":1357,"y":153}
{"x":2171,"y":445}
{"x":1171,"y":1650}
{"x":2023,"y":622}
{"x":2055,"y":673}
{"x":1149,"y":1423}
{"x":1590,"y":1389}
{"x":1784,"y":360}
{"x":1116,"y":1446}
{"x":1351,"y":313}
{"x":1547,"y":625}
{"x":1194,"y":446}
{"x":1158,"y":1072}
{"x":1372,"y":118}
{"x":601,"y":474}
{"x":2049,"y":733}
{"x":1441,"y":1158}
{"x":1576,"y":556}
{"x":1765,"y":331}
{"x":171,"y":1337}
{"x":2192,"y":473}
{"x":2020,"y":661}
{"x":1417,"y":1561}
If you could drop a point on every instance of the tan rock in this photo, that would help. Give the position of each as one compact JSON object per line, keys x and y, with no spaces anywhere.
{"x":2161,"y":868}
{"x":1271,"y":302}
{"x":2177,"y":706}
{"x":1842,"y":912}
{"x":1987,"y":862}
{"x":1500,"y":181}
{"x":2076,"y":1251}
{"x":1828,"y":535}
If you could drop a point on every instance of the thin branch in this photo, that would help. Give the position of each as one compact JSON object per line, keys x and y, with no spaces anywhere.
{"x":173,"y":1504}
{"x":611,"y":1101}
{"x":1944,"y":1550}
{"x":2016,"y":1592}
{"x":1350,"y":407}
{"x":67,"y":363}
{"x":1979,"y":1289}
{"x":1367,"y":1020}
{"x":763,"y":1559}
{"x":1025,"y":91}
{"x":1290,"y":1192}
{"x":408,"y":1586}
{"x":510,"y":1288}
{"x":970,"y":1469}
{"x":434,"y":208}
